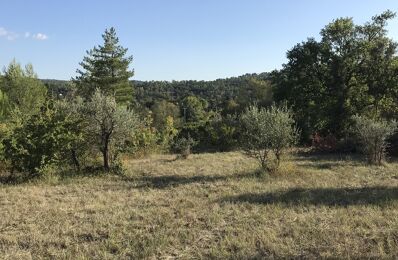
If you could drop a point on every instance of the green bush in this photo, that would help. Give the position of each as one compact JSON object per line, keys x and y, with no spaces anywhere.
{"x":266,"y":133}
{"x":42,"y":140}
{"x":372,"y":135}
{"x":145,"y":139}
{"x":167,"y":134}
{"x":183,"y":146}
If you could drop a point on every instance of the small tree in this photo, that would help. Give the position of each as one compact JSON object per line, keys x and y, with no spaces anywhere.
{"x":372,"y":135}
{"x":109,"y":125}
{"x":266,"y":131}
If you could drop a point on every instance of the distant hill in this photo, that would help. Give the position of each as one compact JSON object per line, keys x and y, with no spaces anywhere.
{"x":215,"y":92}
{"x":147,"y":92}
{"x":57,"y":87}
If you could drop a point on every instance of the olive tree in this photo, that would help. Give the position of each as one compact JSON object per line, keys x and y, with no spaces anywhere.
{"x":267,"y":132}
{"x":372,"y":135}
{"x":109,"y":125}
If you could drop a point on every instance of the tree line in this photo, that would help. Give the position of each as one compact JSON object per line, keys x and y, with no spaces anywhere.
{"x":333,"y":93}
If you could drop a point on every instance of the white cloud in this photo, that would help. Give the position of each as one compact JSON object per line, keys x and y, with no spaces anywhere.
{"x":40,"y":36}
{"x":3,"y":32}
{"x":7,"y":34}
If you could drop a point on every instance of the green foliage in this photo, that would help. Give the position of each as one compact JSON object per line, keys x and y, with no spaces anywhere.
{"x":240,"y":90}
{"x":109,"y":126}
{"x":197,"y":120}
{"x":265,"y":131}
{"x":59,"y":89}
{"x":72,"y":111}
{"x":372,"y":135}
{"x":4,"y":106}
{"x":351,"y":70}
{"x":168,"y":133}
{"x":221,"y":133}
{"x":105,"y":67}
{"x":69,"y":131}
{"x":21,"y":92}
{"x":193,"y":110}
{"x":43,"y":140}
{"x":145,"y":140}
{"x":183,"y":146}
{"x":257,"y":91}
{"x":148,"y":139}
{"x":161,"y":111}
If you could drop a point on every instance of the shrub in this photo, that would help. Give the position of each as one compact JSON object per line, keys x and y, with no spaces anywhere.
{"x":372,"y":135}
{"x":183,"y":146}
{"x":167,"y":134}
{"x":266,"y":132}
{"x":223,"y":132}
{"x":144,"y":140}
{"x":39,"y":142}
{"x":72,"y":113}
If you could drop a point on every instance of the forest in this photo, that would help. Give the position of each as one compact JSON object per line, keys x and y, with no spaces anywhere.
{"x":332,"y":108}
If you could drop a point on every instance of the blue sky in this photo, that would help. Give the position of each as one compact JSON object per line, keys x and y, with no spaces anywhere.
{"x":171,"y":39}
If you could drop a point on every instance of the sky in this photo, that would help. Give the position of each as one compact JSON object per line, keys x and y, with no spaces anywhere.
{"x":172,"y":39}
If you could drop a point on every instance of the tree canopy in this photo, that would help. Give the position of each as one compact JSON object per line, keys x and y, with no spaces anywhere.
{"x":106,"y":67}
{"x":21,"y":91}
{"x":351,"y":70}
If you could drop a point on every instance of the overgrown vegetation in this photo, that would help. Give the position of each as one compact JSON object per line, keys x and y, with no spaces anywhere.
{"x":352,"y":70}
{"x":44,"y":139}
{"x":342,"y":87}
{"x":373,"y":137}
{"x":183,"y":146}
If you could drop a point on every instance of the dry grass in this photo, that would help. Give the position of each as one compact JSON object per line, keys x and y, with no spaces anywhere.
{"x":209,"y":206}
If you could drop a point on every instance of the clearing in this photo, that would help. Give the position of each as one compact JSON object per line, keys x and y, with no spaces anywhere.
{"x":209,"y":206}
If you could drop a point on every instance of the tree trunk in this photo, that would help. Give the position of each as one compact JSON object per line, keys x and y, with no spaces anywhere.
{"x":278,"y":157}
{"x":105,"y":153}
{"x":75,"y":160}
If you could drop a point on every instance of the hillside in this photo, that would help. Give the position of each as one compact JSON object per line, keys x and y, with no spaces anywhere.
{"x":147,"y":92}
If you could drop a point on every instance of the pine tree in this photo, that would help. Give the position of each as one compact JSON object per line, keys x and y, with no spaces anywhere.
{"x":106,"y":67}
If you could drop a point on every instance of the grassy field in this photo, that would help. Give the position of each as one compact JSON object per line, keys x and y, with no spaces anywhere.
{"x":209,"y":206}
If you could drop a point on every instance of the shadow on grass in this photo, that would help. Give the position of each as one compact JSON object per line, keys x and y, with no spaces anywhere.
{"x":17,"y":178}
{"x":165,"y":181}
{"x":14,"y":179}
{"x":322,"y":196}
{"x":323,"y":165}
{"x":328,"y":161}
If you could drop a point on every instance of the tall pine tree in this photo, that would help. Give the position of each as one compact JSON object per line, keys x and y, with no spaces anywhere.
{"x":106,"y":67}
